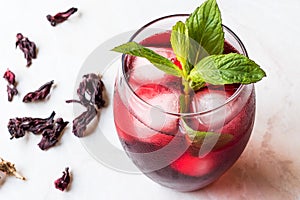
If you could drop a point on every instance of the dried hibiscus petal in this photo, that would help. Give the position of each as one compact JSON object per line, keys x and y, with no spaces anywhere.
{"x":39,"y":94}
{"x":61,"y":16}
{"x":17,"y":127}
{"x":90,"y":93}
{"x":27,"y":47}
{"x":10,"y":77}
{"x":81,"y":122}
{"x":11,"y":86}
{"x":50,"y":129}
{"x":51,"y":136}
{"x":63,"y":182}
{"x":93,"y":86}
{"x":11,"y":92}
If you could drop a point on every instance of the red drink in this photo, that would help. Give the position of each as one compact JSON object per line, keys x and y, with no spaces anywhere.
{"x":149,"y":123}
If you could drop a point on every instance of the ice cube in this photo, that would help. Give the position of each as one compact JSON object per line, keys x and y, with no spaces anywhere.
{"x":149,"y":135}
{"x":152,"y":111}
{"x":143,"y":72}
{"x":211,"y":100}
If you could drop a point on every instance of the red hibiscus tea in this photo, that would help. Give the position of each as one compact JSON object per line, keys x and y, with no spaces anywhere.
{"x":152,"y":129}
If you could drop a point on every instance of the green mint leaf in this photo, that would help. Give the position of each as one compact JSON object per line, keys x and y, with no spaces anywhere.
{"x":226,"y":69}
{"x":207,"y":141}
{"x":180,"y":45}
{"x":211,"y":140}
{"x":162,"y":63}
{"x":205,"y":29}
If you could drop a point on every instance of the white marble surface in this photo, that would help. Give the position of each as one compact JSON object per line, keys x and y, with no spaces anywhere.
{"x":269,"y":168}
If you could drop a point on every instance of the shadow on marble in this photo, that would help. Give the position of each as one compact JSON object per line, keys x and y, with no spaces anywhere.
{"x":260,"y":173}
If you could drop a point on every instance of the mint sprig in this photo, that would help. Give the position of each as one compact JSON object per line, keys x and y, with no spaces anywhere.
{"x":198,"y":45}
{"x":162,"y":63}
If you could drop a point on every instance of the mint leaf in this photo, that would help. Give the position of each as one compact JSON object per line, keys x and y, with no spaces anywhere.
{"x":226,"y":69}
{"x":162,"y":63}
{"x":211,"y":140}
{"x":180,"y":45}
{"x":205,"y":28}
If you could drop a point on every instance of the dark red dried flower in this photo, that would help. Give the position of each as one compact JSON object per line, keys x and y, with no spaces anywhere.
{"x":93,"y":87}
{"x":17,"y":127}
{"x":11,"y":92}
{"x":39,"y":94}
{"x":10,"y":77}
{"x":63,"y":182}
{"x":61,"y":16}
{"x":81,"y":122}
{"x":50,"y":129}
{"x":52,"y":135}
{"x":28,"y":48}
{"x":11,"y":86}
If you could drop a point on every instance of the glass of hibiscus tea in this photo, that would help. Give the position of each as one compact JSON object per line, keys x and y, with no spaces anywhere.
{"x":184,"y":100}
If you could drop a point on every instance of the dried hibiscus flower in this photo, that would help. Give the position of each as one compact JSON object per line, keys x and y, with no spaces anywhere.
{"x":17,"y":127}
{"x":61,"y":16}
{"x":63,"y":182}
{"x":50,"y":129}
{"x":9,"y":169}
{"x":27,"y":47}
{"x":92,"y":86}
{"x":11,"y":92}
{"x":39,"y":94}
{"x":11,"y":86}
{"x":51,"y":136}
{"x":81,"y":122}
{"x":10,"y":77}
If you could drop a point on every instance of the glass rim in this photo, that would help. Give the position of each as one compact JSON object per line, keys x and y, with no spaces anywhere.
{"x":230,"y":99}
